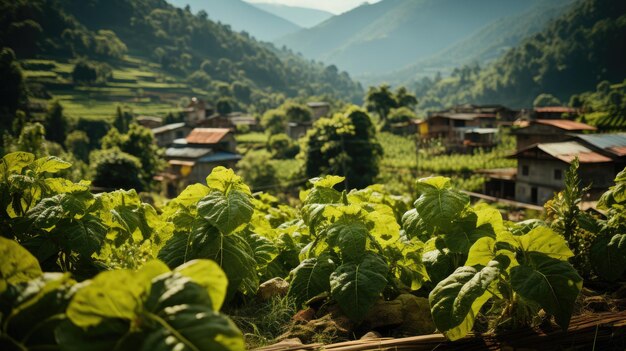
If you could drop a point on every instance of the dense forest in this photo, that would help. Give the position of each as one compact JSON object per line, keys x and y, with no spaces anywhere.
{"x":572,"y":55}
{"x":185,"y":44}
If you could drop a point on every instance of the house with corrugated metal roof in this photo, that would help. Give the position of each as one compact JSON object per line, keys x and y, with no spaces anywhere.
{"x":541,"y":167}
{"x":547,"y":130}
{"x":191,"y":159}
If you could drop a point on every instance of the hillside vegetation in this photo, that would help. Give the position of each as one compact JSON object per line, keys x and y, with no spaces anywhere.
{"x":577,"y":51}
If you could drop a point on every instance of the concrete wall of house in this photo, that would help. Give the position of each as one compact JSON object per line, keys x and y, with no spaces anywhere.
{"x":542,"y":175}
{"x":167,"y":138}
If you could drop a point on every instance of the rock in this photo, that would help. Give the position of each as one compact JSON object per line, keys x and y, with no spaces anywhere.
{"x":371,"y":335}
{"x":406,"y":315}
{"x":271,"y":288}
{"x":304,"y":316}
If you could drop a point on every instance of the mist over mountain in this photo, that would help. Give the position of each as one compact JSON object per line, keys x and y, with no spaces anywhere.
{"x":242,"y":16}
{"x":302,"y":16}
{"x":393,"y":34}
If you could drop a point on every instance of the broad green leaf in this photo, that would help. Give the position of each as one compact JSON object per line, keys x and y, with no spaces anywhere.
{"x":524,"y":227}
{"x":15,"y":162}
{"x":191,"y":195}
{"x":38,"y":308}
{"x":225,"y":180}
{"x":439,"y":264}
{"x":227,"y":211}
{"x":176,"y":250}
{"x":49,"y":211}
{"x":209,"y":275}
{"x":545,"y":240}
{"x":437,"y":182}
{"x":414,"y":225}
{"x":110,"y":335}
{"x":233,"y":254}
{"x":608,"y":256}
{"x":50,"y":164}
{"x":386,"y":230}
{"x":328,"y":181}
{"x":550,"y":282}
{"x":456,"y":301}
{"x":356,"y":286}
{"x":482,"y":252}
{"x":62,"y":185}
{"x":264,"y":250}
{"x":311,"y":278}
{"x":437,"y":206}
{"x":17,"y":264}
{"x":84,"y":236}
{"x":350,"y":237}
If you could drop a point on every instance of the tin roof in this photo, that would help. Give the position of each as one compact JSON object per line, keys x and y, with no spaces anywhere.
{"x":567,"y":152}
{"x":207,"y":135}
{"x":167,"y":128}
{"x":556,"y":109}
{"x":565,"y":124}
{"x":187,"y":152}
{"x":613,"y":143}
{"x":220,"y":156}
{"x":464,"y":116}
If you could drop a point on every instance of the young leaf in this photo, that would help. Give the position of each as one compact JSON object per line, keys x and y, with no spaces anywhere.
{"x":545,"y":240}
{"x":550,"y":282}
{"x":439,"y":205}
{"x":350,"y":237}
{"x":17,"y":264}
{"x":50,"y":164}
{"x":456,"y":301}
{"x":310,"y":278}
{"x":226,"y":211}
{"x":356,"y":286}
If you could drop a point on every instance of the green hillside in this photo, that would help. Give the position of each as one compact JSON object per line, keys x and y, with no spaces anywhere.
{"x":241,"y":16}
{"x":150,"y":55}
{"x":392,"y":34}
{"x":302,"y":16}
{"x":572,"y":55}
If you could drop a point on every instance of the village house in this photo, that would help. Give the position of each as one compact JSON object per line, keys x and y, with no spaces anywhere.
{"x":296,"y":130}
{"x":150,"y":122}
{"x":320,"y":109}
{"x":165,"y":135}
{"x":547,"y":130}
{"x":191,"y":159}
{"x":541,"y":167}
{"x":197,"y":111}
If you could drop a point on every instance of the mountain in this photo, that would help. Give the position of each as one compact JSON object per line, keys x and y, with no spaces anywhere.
{"x":302,"y":16}
{"x":393,"y":34}
{"x":481,"y":47}
{"x":242,"y":16}
{"x":581,"y":48}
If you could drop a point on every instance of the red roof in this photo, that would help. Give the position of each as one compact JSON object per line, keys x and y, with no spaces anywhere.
{"x":207,"y":135}
{"x":556,"y":109}
{"x":565,"y":124}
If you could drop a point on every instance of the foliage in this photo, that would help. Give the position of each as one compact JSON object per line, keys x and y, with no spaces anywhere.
{"x":282,"y":147}
{"x":151,"y":308}
{"x":343,"y":144}
{"x":56,"y":124}
{"x":382,"y":100}
{"x":543,"y":100}
{"x":123,"y":120}
{"x":256,"y":170}
{"x":114,"y":169}
{"x":605,"y":107}
{"x":77,"y":143}
{"x":12,"y":90}
{"x":274,"y":121}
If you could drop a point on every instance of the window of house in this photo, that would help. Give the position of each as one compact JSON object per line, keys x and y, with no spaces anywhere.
{"x":558,"y":174}
{"x":525,"y":170}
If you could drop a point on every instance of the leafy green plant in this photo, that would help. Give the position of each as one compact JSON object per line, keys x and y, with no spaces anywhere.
{"x":348,"y":256}
{"x":518,"y":273}
{"x":152,"y":308}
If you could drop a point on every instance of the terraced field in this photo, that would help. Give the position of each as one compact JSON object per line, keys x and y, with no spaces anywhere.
{"x":135,"y":84}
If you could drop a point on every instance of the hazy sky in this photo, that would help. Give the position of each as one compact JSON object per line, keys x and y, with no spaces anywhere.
{"x":334,"y":6}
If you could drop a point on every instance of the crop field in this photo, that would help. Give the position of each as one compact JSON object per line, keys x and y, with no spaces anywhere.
{"x":135,"y":84}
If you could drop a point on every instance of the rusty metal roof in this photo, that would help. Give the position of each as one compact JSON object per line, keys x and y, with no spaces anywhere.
{"x":613,"y":143}
{"x":565,"y":124}
{"x":556,"y":109}
{"x":568,"y":151}
{"x":207,"y":135}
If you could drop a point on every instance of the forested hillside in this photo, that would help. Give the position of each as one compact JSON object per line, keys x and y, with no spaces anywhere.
{"x":174,"y":44}
{"x":577,"y":51}
{"x":241,"y":16}
{"x":302,"y":16}
{"x":392,"y":34}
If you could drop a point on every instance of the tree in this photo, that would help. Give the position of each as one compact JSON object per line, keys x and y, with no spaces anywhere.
{"x":297,"y":112}
{"x":274,"y":121}
{"x":282,"y":147}
{"x":56,"y":123}
{"x":224,"y":106}
{"x":115,"y":169}
{"x":401,"y":115}
{"x":381,"y":100}
{"x":345,"y":145}
{"x":138,"y":142}
{"x":544,"y":100}
{"x":257,"y":170}
{"x":123,"y":120}
{"x":84,"y":72}
{"x":77,"y":143}
{"x":405,"y":98}
{"x":12,"y":89}
{"x":33,"y":139}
